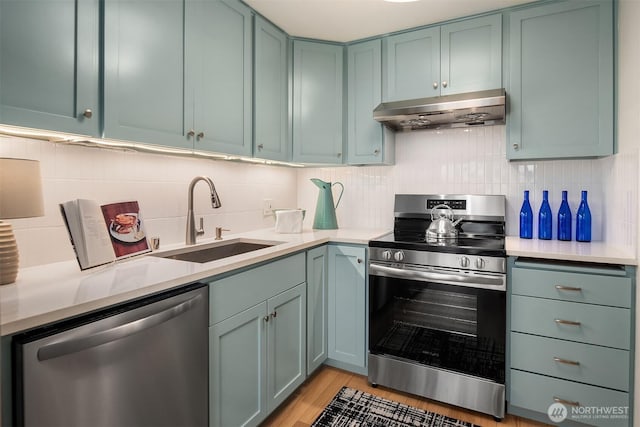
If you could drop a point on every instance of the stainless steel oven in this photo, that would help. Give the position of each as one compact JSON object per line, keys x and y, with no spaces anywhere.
{"x":437,"y":309}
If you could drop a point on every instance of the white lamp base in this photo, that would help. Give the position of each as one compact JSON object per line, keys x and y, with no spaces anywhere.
{"x":8,"y":254}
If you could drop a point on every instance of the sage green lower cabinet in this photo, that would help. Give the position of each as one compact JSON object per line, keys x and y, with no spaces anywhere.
{"x":347,"y":307}
{"x":571,"y":341}
{"x":317,"y":303}
{"x":257,"y":341}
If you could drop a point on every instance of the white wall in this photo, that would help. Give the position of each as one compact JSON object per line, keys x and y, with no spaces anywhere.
{"x":629,"y":128}
{"x":473,"y":161}
{"x":158,"y":182}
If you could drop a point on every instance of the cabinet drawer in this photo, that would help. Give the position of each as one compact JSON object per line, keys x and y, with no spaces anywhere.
{"x":607,"y":326}
{"x":537,"y":393}
{"x":599,"y":366}
{"x":576,"y":287}
{"x":236,"y":293}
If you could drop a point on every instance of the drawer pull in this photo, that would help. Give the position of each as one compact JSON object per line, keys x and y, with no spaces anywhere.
{"x":565,"y":402}
{"x":566,"y":361}
{"x":567,"y":322}
{"x":568,"y":288}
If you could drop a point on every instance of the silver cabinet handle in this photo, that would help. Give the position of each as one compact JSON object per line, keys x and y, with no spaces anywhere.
{"x":565,"y":402}
{"x":376,"y":152}
{"x":260,"y":147}
{"x":435,"y":85}
{"x":568,"y":288}
{"x":88,"y":113}
{"x":75,"y":345}
{"x":444,"y":83}
{"x":566,"y":361}
{"x":265,"y":318}
{"x":567,"y":322}
{"x":200,"y":135}
{"x":274,"y":314}
{"x":516,"y":146}
{"x":339,"y":154}
{"x":359,"y":260}
{"x":191,"y":133}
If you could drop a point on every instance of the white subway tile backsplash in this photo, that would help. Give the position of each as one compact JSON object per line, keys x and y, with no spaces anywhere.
{"x":158,"y":182}
{"x":448,"y":161}
{"x":474,"y":161}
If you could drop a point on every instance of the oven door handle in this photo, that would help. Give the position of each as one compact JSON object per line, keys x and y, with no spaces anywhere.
{"x":472,"y":280}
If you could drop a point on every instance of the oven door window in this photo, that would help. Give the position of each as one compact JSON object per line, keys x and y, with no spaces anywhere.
{"x":457,"y":328}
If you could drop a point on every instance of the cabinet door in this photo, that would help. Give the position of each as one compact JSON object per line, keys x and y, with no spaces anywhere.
{"x":347,"y":305}
{"x":286,"y":349}
{"x":270,"y":133}
{"x":49,"y":65}
{"x":317,"y":102}
{"x":471,"y":55}
{"x":317,"y":301}
{"x":561,"y":82}
{"x":143,"y":72}
{"x":219,"y":69}
{"x":369,"y":142}
{"x":412,"y":65}
{"x":237,"y":369}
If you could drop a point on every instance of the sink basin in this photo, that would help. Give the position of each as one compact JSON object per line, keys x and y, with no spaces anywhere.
{"x":215,"y":251}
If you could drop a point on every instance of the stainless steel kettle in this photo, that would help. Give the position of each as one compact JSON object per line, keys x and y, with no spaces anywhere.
{"x":442,"y":227}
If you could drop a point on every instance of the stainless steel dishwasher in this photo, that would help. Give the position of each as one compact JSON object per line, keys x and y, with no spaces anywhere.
{"x":144,"y":363}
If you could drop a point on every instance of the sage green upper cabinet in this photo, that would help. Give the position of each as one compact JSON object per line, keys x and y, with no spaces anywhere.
{"x":368,"y":141}
{"x":219,"y":73}
{"x":143,"y":72}
{"x":471,"y":55}
{"x":178,"y":73}
{"x":270,"y":132}
{"x":561,"y":82}
{"x":49,"y":65}
{"x":412,"y":65}
{"x":463,"y":56}
{"x":317,"y":102}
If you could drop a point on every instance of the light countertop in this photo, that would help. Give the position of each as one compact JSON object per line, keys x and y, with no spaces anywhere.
{"x":52,"y":292}
{"x":598,"y":252}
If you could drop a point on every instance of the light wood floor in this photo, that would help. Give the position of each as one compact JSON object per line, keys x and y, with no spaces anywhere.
{"x":302,"y":408}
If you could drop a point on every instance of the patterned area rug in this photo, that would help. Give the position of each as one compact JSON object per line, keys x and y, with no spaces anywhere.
{"x":354,"y":408}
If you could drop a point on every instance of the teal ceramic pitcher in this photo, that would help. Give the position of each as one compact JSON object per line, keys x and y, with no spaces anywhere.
{"x":325,"y":218}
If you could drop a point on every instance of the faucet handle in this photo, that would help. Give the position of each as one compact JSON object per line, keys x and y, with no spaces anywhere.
{"x":219,"y":231}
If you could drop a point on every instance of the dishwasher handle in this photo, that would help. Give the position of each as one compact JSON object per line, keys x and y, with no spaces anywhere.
{"x":77,"y":344}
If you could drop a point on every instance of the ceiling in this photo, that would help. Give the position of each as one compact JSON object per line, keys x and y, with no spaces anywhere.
{"x":348,"y":20}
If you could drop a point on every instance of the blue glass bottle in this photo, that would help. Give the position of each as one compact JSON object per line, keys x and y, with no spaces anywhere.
{"x":583,"y":220}
{"x":526,"y":218}
{"x":564,"y":219}
{"x":545,"y":218}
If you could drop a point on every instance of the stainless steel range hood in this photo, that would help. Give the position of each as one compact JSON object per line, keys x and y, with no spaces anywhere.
{"x":461,"y":110}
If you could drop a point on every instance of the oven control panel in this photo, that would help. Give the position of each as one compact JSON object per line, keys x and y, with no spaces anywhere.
{"x":439,"y":259}
{"x":453,"y":204}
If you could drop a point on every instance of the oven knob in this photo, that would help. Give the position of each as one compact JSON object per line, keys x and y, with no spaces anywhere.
{"x":464,"y":262}
{"x":480,"y":263}
{"x":386,"y":255}
{"x":399,"y":256}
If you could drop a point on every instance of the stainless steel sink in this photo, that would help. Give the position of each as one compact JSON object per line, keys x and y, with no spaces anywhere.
{"x":218,"y":250}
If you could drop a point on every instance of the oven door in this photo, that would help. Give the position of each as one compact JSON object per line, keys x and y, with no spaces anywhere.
{"x":443,"y":318}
